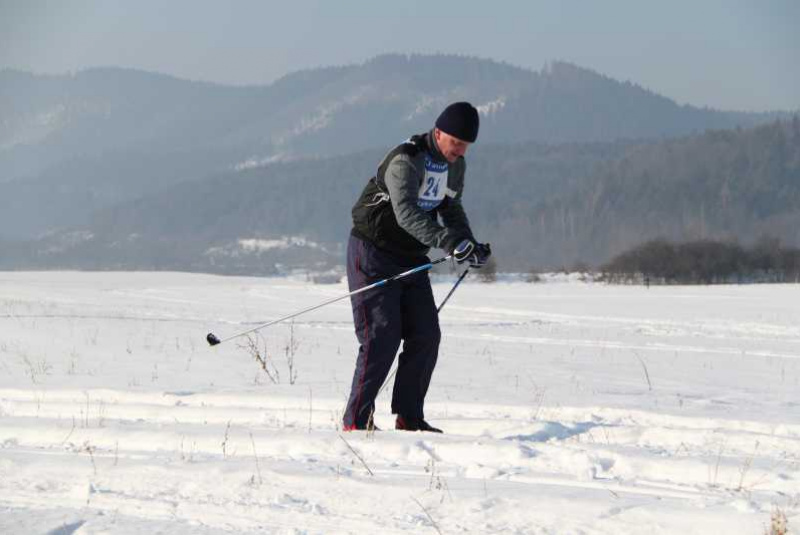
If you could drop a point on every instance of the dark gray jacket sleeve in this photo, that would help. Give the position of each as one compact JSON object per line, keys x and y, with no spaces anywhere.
{"x":453,"y":215}
{"x":403,"y":178}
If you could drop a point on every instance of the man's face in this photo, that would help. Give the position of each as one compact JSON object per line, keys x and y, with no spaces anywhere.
{"x":450,"y":146}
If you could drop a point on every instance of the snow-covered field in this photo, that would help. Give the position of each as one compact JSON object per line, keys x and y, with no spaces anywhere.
{"x":567,"y":407}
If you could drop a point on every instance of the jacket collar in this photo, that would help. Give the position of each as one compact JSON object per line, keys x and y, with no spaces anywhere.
{"x":433,"y":147}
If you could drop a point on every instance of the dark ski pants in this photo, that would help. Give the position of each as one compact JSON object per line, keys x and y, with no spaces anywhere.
{"x":403,"y":310}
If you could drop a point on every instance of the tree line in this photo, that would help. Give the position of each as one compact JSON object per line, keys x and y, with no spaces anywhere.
{"x":705,"y":262}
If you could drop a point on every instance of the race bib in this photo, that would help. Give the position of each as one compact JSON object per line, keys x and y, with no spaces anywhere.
{"x":434,"y":186}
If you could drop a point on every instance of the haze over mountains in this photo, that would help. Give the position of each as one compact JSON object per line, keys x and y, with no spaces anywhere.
{"x":121,"y":169}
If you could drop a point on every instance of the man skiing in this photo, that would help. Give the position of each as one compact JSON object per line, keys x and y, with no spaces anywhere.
{"x":413,"y":203}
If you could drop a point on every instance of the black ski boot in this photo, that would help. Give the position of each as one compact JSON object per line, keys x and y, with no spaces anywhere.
{"x":414,"y":424}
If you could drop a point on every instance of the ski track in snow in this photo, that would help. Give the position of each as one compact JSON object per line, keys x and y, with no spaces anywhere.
{"x":568,"y":408}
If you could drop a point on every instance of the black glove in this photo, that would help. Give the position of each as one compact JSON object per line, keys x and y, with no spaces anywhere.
{"x":481,"y":255}
{"x":477,"y":254}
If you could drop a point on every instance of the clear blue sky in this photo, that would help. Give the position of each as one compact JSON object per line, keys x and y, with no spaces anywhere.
{"x":730,"y":54}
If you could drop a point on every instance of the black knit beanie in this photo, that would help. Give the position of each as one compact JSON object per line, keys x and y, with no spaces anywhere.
{"x":460,"y":120}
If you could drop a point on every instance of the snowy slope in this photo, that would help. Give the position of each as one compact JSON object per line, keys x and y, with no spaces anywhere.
{"x":568,"y":408}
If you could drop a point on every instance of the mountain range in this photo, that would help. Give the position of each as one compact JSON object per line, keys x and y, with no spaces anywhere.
{"x":121,"y":169}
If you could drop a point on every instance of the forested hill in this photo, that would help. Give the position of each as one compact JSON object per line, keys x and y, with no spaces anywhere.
{"x":727,"y":185}
{"x":539,"y":205}
{"x":50,"y":120}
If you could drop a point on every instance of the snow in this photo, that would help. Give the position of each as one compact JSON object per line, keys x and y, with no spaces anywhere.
{"x":325,"y":113}
{"x":426,"y":104}
{"x":492,"y":107}
{"x":256,"y":162}
{"x":69,"y":240}
{"x":285,"y":242}
{"x":568,"y":407}
{"x":245,"y":246}
{"x":30,"y":128}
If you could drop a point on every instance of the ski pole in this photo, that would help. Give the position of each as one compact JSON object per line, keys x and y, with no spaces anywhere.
{"x":453,"y":289}
{"x":213,"y":340}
